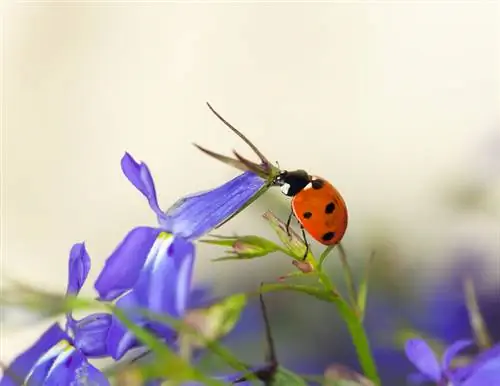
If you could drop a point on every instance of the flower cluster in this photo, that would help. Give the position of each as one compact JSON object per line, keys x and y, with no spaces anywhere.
{"x":150,"y":269}
{"x":147,"y":293}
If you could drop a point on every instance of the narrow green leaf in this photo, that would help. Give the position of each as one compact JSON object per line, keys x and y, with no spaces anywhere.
{"x":349,"y":278}
{"x":166,"y":364}
{"x":294,"y":244}
{"x":363,"y":287}
{"x":324,"y":255}
{"x":284,"y":377}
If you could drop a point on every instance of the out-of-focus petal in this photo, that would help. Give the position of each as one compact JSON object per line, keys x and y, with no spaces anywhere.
{"x":78,"y":268}
{"x":200,"y":297}
{"x":122,"y":268}
{"x":140,"y":176}
{"x":421,"y":355}
{"x":487,"y":374}
{"x":452,"y":351}
{"x":90,"y":334}
{"x":463,"y":373}
{"x":164,"y":284}
{"x":120,"y":339}
{"x":22,"y":365}
{"x":195,"y":215}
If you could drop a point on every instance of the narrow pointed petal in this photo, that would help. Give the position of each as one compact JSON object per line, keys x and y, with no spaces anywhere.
{"x":120,"y":339}
{"x":452,"y":351}
{"x":140,"y":176}
{"x":122,"y":268}
{"x":78,"y":268}
{"x":91,"y":333}
{"x":193,"y":216}
{"x":423,"y":358}
{"x":164,"y":284}
{"x":22,"y":365}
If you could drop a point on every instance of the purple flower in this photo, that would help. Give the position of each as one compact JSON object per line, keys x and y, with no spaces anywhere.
{"x":152,"y":267}
{"x":190,"y":218}
{"x":52,"y":360}
{"x":90,"y":333}
{"x":57,"y":357}
{"x":484,"y":370}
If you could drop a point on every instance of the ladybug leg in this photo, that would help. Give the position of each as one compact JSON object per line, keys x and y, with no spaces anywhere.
{"x":305,"y":242}
{"x":288,"y":223}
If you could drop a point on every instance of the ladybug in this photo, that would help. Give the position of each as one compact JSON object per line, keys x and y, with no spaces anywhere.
{"x":316,"y":204}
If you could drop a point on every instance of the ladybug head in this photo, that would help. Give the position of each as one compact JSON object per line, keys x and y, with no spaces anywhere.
{"x":292,"y":182}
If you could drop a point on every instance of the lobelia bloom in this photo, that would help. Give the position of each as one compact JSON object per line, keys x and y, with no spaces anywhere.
{"x":60,"y":357}
{"x":484,"y":370}
{"x":152,"y":267}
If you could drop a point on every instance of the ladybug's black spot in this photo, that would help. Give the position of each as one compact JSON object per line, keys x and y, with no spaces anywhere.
{"x":328,"y":236}
{"x":317,"y":184}
{"x":329,"y":208}
{"x":307,"y":214}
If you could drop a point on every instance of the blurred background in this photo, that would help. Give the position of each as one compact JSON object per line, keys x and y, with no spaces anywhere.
{"x":397,"y":104}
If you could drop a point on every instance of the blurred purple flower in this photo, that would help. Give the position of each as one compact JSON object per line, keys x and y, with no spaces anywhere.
{"x":422,"y":356}
{"x":484,"y":370}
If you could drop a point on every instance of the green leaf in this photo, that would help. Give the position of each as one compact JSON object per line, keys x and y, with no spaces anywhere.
{"x":166,"y":364}
{"x":363,"y":287}
{"x":284,"y":377}
{"x":222,"y":317}
{"x":324,"y":255}
{"x":244,"y":247}
{"x":293,"y":243}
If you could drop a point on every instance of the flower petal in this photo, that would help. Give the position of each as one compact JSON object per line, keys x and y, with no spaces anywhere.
{"x":140,"y":176}
{"x":461,"y":374}
{"x":90,"y":334}
{"x":22,"y":365}
{"x":72,"y":368}
{"x":423,"y":358}
{"x":120,"y":339}
{"x":164,"y":284}
{"x":122,"y":268}
{"x":487,"y":374}
{"x":452,"y":351}
{"x":195,"y":215}
{"x":78,"y":268}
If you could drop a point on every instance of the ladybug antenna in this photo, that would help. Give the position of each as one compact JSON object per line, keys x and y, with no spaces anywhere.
{"x":239,"y":134}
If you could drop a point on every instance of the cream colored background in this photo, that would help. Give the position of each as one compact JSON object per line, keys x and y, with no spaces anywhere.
{"x":382,"y":98}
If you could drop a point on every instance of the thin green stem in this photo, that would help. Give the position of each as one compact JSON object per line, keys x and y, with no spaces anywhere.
{"x":354,"y":323}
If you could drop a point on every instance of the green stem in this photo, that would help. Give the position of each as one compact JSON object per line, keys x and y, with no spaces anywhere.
{"x":354,"y":324}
